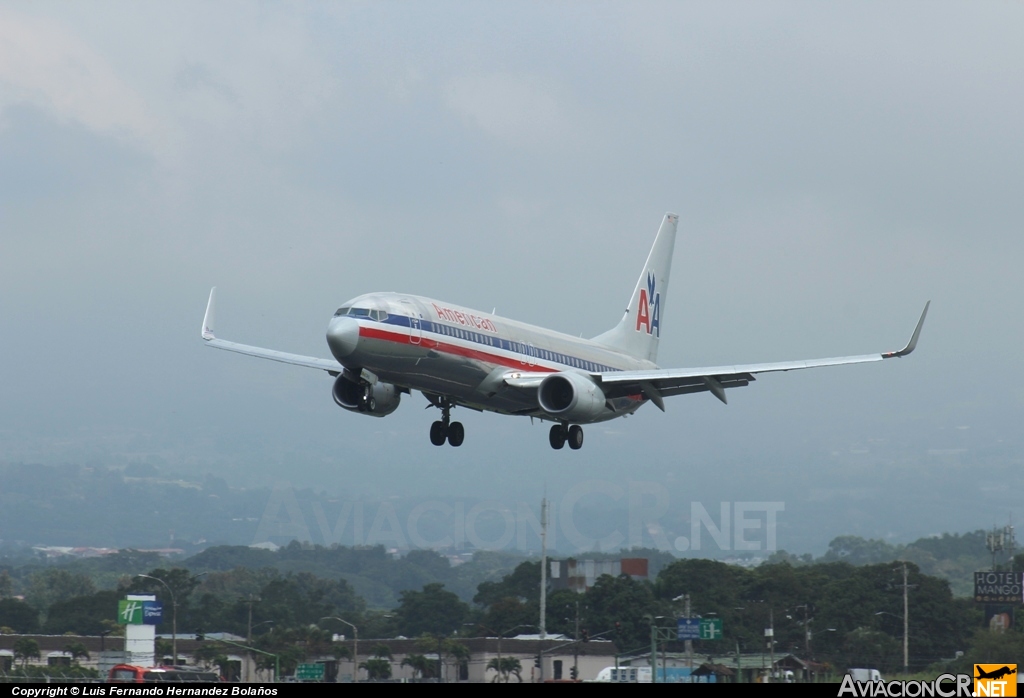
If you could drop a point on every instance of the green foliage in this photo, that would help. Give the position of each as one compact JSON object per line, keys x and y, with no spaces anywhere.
{"x":6,"y":585}
{"x":371,"y":572}
{"x":522,"y":584}
{"x":26,"y":648}
{"x":376,"y":669}
{"x":624,"y":600}
{"x":421,"y":666}
{"x":77,"y":650}
{"x":431,"y":611}
{"x":19,"y":616}
{"x":82,"y":615}
{"x":381,"y":651}
{"x":163,"y":648}
{"x":57,"y":584}
{"x":75,"y":671}
{"x":991,"y":648}
{"x":505,"y":668}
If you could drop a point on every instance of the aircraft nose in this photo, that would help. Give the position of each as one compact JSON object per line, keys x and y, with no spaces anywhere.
{"x":343,"y":337}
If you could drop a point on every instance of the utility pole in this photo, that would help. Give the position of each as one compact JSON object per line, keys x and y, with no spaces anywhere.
{"x":905,"y":621}
{"x":543,"y":583}
{"x":689,"y":643}
{"x":1010,"y":542}
{"x":994,"y":542}
{"x":654,"y":651}
{"x":771,"y":642}
{"x":576,"y":645}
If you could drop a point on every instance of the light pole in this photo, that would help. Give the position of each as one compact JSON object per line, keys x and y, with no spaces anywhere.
{"x":905,"y":646}
{"x":174,"y":616}
{"x":501,"y":635}
{"x":355,"y":645}
{"x":174,"y":612}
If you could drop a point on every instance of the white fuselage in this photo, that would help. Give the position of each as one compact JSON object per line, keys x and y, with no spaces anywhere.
{"x":443,"y":349}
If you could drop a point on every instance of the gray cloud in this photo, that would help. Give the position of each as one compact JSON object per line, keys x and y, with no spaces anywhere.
{"x":834,"y":167}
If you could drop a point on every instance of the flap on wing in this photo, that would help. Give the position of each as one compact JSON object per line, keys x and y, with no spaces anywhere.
{"x":676,"y":381}
{"x":669,"y":381}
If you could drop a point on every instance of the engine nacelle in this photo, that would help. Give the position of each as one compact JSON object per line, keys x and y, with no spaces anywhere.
{"x":382,"y":399}
{"x":571,"y":397}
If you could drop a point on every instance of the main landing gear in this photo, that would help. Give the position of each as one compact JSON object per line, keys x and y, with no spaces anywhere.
{"x":444,"y":429}
{"x":562,"y":433}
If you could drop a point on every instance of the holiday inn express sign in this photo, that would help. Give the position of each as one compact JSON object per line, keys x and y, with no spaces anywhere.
{"x":139,"y":612}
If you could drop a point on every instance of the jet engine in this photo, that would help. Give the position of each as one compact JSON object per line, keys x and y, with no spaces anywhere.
{"x":377,"y":400}
{"x":571,"y":397}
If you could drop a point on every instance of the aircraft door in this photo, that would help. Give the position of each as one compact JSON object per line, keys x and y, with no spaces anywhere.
{"x":415,"y":326}
{"x":531,"y":354}
{"x":416,"y":330}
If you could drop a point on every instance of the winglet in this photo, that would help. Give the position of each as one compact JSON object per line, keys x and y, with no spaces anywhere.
{"x":912,"y":344}
{"x":208,"y":318}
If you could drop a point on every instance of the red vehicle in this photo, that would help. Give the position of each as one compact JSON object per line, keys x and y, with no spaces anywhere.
{"x":127,"y":673}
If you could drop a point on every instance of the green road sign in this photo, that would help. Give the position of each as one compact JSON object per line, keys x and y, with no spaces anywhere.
{"x":710,"y":628}
{"x":309,"y":672}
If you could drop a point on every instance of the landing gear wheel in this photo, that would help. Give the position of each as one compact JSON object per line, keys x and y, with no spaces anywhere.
{"x":556,"y":437}
{"x":371,"y":405}
{"x":456,"y":434}
{"x":438,"y":433}
{"x":575,"y":437}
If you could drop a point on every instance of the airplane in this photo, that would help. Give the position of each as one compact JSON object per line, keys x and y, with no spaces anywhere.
{"x":387,"y":344}
{"x":995,"y":673}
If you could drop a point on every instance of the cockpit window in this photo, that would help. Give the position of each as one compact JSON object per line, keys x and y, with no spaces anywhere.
{"x":378,"y":315}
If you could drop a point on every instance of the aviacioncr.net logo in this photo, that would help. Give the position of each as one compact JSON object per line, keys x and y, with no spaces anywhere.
{"x":995,"y":680}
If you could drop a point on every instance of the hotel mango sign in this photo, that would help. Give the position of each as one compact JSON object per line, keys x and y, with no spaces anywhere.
{"x":998,"y":587}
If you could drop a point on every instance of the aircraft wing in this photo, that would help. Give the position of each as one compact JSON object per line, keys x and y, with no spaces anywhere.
{"x":660,"y":383}
{"x":329,"y":365}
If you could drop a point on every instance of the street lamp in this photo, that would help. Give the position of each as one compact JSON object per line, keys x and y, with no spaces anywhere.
{"x":355,"y":646}
{"x":905,"y":646}
{"x":500,"y":635}
{"x":174,"y":616}
{"x":174,"y":612}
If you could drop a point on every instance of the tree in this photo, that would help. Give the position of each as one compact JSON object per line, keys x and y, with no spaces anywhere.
{"x":163,"y":648}
{"x":622,"y":600}
{"x":82,"y":615}
{"x":381,"y":651}
{"x":421,"y":666}
{"x":25,"y":649}
{"x":6,"y":586}
{"x":522,"y":583}
{"x":18,"y":615}
{"x":505,"y":668}
{"x":431,"y":611}
{"x":77,"y":650}
{"x":56,"y":584}
{"x":377,"y":669}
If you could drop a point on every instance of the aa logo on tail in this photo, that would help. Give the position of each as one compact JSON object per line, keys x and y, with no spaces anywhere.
{"x":648,"y":314}
{"x":995,"y":680}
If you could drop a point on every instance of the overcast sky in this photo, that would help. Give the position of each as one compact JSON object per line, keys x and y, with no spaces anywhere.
{"x":834,"y":166}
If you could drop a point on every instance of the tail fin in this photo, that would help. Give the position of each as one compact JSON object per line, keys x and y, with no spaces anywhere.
{"x":638,"y":332}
